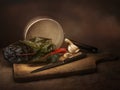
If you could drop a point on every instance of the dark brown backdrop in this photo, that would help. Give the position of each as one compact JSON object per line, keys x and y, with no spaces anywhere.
{"x":93,"y":22}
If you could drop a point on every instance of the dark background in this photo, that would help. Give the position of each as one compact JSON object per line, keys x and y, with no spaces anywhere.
{"x":93,"y":22}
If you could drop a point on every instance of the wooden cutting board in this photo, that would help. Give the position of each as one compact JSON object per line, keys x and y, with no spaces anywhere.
{"x":22,"y":72}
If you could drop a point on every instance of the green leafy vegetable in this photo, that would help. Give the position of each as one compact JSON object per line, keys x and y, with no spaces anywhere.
{"x":29,"y":50}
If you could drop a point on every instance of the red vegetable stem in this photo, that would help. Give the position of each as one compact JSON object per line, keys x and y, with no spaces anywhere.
{"x":26,"y":54}
{"x":59,"y":50}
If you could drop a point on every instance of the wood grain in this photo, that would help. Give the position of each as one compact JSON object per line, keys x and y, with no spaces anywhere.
{"x":22,"y":72}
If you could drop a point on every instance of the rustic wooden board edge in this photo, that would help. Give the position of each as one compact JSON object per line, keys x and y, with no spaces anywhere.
{"x":54,"y":76}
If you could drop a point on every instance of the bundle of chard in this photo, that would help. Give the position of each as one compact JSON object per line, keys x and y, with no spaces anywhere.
{"x":37,"y":49}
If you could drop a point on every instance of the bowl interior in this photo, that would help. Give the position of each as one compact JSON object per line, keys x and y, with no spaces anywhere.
{"x":45,"y":27}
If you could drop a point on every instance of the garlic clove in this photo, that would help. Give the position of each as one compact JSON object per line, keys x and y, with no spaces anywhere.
{"x":72,"y":48}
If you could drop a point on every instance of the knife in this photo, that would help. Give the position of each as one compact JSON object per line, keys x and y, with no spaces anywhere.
{"x":68,"y":60}
{"x":83,"y":46}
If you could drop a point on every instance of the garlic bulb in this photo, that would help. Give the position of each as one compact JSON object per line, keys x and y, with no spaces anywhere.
{"x":72,"y":48}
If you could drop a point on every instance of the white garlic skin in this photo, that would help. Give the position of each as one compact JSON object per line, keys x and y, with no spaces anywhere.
{"x":72,"y":48}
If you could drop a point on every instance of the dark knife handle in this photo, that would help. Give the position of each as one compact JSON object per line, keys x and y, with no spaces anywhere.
{"x":87,"y":48}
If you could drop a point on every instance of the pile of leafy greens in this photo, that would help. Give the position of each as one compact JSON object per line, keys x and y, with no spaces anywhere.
{"x":32,"y":50}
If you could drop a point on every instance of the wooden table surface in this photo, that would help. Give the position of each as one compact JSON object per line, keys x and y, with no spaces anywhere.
{"x":106,"y":77}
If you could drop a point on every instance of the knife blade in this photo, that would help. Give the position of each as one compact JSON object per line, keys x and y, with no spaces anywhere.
{"x":68,"y":60}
